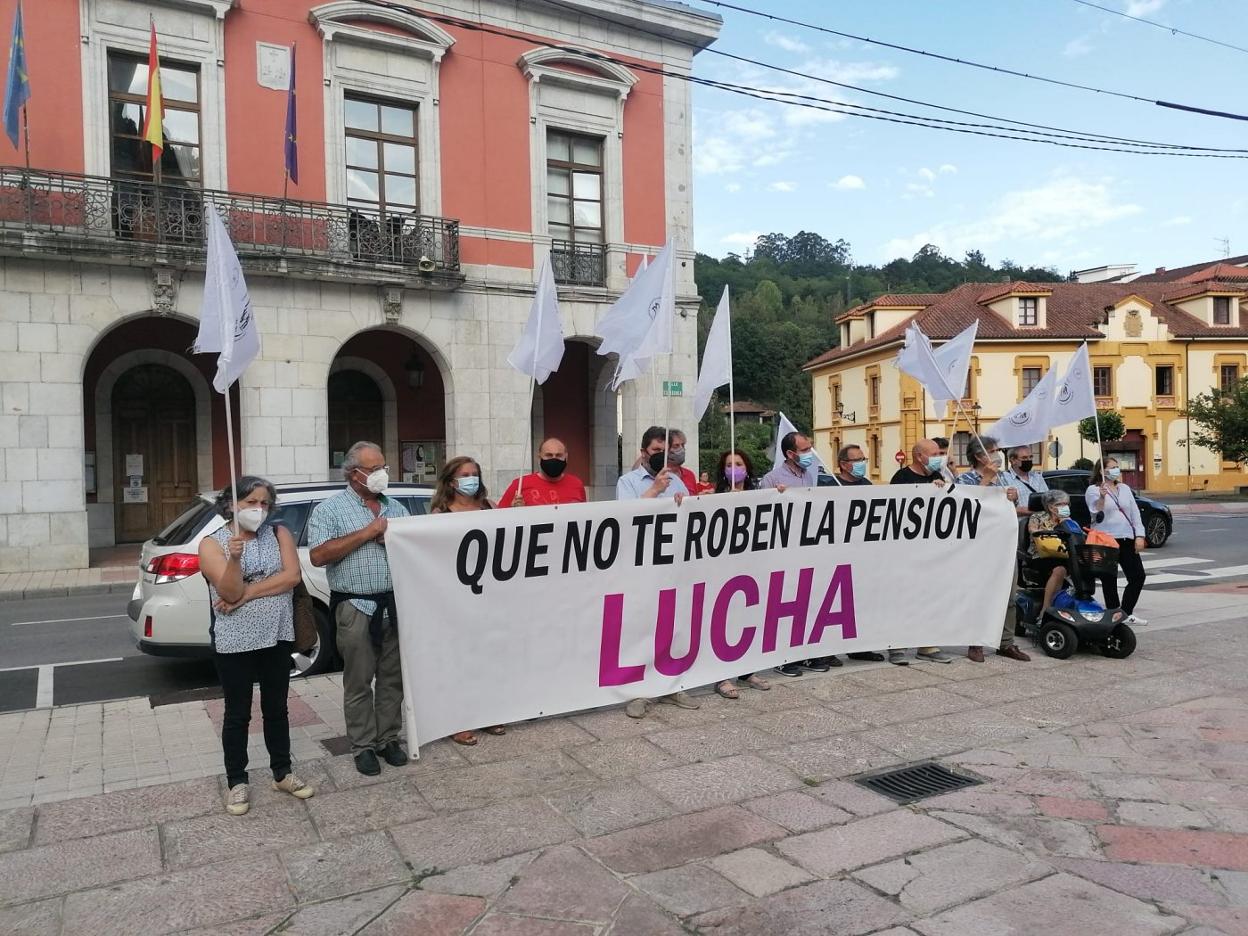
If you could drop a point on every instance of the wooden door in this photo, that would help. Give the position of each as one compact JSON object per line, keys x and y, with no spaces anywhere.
{"x":1129,"y":450}
{"x":153,"y":433}
{"x":355,"y":414}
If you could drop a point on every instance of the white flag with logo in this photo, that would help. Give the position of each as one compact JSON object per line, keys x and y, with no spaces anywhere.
{"x":1029,"y":422}
{"x":639,"y":325}
{"x":917,"y":359}
{"x":1074,"y":398}
{"x":226,"y":323}
{"x":954,"y":359}
{"x":784,"y":429}
{"x":540,"y":348}
{"x":716,"y":358}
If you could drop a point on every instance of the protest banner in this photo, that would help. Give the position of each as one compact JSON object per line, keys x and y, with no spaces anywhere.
{"x":506,"y":615}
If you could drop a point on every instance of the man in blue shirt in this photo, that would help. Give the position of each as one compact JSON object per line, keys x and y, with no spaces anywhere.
{"x":798,"y":468}
{"x":1024,"y":477}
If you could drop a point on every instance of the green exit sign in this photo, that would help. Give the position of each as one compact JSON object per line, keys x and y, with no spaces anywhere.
{"x":673,"y":388}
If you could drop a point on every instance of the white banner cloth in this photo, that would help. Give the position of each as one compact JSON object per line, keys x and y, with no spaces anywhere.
{"x":507,"y":615}
{"x":1030,"y":420}
{"x":226,"y":323}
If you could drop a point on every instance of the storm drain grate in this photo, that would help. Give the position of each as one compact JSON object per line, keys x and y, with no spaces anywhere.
{"x":916,"y":782}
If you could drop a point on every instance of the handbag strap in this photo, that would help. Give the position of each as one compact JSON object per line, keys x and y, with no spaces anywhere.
{"x":1117,"y":504}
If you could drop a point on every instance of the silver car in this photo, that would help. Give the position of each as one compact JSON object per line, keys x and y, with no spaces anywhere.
{"x":169,"y":611}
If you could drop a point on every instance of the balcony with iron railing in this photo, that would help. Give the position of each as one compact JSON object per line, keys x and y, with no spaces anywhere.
{"x":578,"y":264}
{"x":79,"y":216}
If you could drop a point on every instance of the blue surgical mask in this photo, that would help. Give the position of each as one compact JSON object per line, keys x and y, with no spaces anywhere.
{"x":806,"y":459}
{"x":858,"y":469}
{"x":935,"y":462}
{"x":468,"y":486}
{"x":1063,"y":511}
{"x":1113,"y":473}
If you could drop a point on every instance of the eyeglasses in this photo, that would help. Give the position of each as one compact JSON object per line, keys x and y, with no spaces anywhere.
{"x":369,"y":469}
{"x":854,"y":461}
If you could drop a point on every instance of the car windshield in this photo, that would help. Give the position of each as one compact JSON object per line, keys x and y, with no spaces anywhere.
{"x":187,"y":525}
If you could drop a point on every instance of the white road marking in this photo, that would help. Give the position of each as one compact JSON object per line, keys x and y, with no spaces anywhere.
{"x":43,"y":689}
{"x":1205,"y":575}
{"x":14,"y":669}
{"x":94,"y":617}
{"x":1166,"y":562}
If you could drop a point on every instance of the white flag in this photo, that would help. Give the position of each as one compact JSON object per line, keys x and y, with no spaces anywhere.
{"x":226,"y":323}
{"x":1028,"y":422}
{"x":540,"y":348}
{"x":917,"y":359}
{"x":784,"y":429}
{"x":954,"y":358}
{"x":639,"y":325}
{"x":1074,"y":397}
{"x":716,"y":358}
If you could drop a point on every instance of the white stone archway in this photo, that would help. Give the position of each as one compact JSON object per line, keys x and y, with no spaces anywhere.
{"x":100,"y":515}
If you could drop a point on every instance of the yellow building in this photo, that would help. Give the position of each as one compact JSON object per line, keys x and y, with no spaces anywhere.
{"x":1154,"y":343}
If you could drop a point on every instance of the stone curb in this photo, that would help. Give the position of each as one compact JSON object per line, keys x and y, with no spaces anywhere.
{"x":64,"y":591}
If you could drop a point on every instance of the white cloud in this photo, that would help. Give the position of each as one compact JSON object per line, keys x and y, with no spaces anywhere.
{"x":744,"y":239}
{"x":782,"y":187}
{"x":726,"y":141}
{"x":788,"y":43}
{"x":733,"y":187}
{"x":850,"y":72}
{"x":848,"y":183}
{"x":948,"y":169}
{"x":1080,"y":45}
{"x":1177,"y":221}
{"x":919,"y":190}
{"x":1051,"y":212}
{"x":927,"y":174}
{"x":1143,"y":7}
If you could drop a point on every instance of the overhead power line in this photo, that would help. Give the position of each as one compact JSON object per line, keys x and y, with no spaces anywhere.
{"x":1173,"y":30}
{"x":1070,"y":139}
{"x":980,"y":65}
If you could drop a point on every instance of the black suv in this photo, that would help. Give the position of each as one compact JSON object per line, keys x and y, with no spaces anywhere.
{"x":1158,"y":522}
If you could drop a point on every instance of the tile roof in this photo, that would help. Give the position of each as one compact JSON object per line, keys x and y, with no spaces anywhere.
{"x":746,"y":406}
{"x":1178,"y":273}
{"x":1074,"y":310}
{"x":1013,"y":289}
{"x":891,"y":300}
{"x":1219,"y":271}
{"x":1199,"y":288}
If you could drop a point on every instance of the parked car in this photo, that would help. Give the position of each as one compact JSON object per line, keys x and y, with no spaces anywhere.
{"x":169,"y":608}
{"x":1158,"y":521}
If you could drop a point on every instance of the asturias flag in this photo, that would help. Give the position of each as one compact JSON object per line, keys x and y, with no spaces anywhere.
{"x":17,"y":88}
{"x":292,"y":134}
{"x":154,"y":118}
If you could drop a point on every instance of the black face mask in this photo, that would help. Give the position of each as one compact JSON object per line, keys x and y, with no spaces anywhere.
{"x":1025,"y":466}
{"x":553,"y":467}
{"x":657,"y":462}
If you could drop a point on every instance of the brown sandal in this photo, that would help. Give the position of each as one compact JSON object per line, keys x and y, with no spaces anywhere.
{"x":728,"y":690}
{"x":496,"y":730}
{"x":466,"y":738}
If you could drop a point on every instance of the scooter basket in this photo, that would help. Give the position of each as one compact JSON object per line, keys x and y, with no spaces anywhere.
{"x":1098,"y":560}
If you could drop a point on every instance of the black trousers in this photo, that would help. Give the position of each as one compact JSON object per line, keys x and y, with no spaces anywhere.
{"x":1130,"y":563}
{"x":238,"y":672}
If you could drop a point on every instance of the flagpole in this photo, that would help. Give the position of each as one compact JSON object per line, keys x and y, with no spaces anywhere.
{"x":229,"y":441}
{"x":30,"y":197}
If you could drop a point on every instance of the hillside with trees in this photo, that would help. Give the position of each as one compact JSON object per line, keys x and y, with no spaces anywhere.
{"x":786,"y":297}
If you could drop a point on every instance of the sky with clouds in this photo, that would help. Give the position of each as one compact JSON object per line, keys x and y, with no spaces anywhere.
{"x":889,"y":189}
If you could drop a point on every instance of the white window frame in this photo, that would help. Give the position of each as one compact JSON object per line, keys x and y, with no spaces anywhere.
{"x":174,"y":18}
{"x":541,"y":68}
{"x":339,"y":24}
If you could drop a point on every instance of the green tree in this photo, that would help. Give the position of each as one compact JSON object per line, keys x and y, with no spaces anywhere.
{"x":1112,"y":427}
{"x":1221,"y":421}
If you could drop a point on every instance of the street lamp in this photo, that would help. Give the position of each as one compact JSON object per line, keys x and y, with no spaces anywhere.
{"x":849,"y":417}
{"x":415,"y":370}
{"x":975,"y":416}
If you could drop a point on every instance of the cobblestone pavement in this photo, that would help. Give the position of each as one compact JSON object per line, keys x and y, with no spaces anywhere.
{"x":1115,"y":801}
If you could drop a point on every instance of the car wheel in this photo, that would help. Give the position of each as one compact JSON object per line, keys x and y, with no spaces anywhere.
{"x":1156,"y":531}
{"x":320,"y":658}
{"x":1059,"y":640}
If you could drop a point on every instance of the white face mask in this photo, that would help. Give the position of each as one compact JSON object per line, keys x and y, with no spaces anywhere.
{"x":251,"y":518}
{"x":377,"y":481}
{"x":998,"y":460}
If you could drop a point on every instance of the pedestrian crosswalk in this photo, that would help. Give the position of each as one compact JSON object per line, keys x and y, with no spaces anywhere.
{"x":1187,"y":570}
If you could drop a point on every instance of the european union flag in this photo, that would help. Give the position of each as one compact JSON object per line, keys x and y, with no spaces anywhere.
{"x":17,"y":88}
{"x":292,"y":133}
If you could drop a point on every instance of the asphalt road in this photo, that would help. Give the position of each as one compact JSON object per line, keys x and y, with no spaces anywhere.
{"x":59,"y":651}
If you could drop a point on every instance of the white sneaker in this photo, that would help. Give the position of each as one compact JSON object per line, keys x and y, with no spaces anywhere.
{"x":1136,"y":621}
{"x":294,"y":786}
{"x":636,"y":708}
{"x":238,"y":800}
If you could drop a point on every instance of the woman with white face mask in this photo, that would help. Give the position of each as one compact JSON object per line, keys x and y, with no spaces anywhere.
{"x":1114,"y":511}
{"x":251,"y":572}
{"x":460,"y":488}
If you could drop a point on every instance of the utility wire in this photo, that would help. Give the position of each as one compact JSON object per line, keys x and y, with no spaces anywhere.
{"x":856,"y":110}
{"x":972,"y":64}
{"x":1170,"y":29}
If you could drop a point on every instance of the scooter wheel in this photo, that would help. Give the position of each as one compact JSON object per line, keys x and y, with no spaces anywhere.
{"x":1120,"y":643}
{"x":1059,"y":640}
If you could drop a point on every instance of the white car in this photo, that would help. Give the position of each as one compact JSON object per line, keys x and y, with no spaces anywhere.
{"x":169,"y":612}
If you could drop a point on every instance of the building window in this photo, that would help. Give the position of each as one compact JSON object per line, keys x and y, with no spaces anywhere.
{"x":1103,"y":381}
{"x":130,"y":157}
{"x":874,"y":385}
{"x":957,"y":447}
{"x":1031,"y":377}
{"x":1163,"y":380}
{"x":1037,"y":455}
{"x":574,"y":187}
{"x":1228,"y":377}
{"x":381,"y":155}
{"x":1221,"y":310}
{"x":1029,"y":311}
{"x":875,"y":454}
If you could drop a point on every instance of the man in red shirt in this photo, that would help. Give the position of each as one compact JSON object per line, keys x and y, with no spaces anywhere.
{"x":550,"y":485}
{"x":676,"y":460}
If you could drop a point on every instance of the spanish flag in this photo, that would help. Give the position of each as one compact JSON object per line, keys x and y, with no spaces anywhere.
{"x":153,"y":121}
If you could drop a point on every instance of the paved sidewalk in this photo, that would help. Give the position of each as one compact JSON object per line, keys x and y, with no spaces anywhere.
{"x":1116,"y":801}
